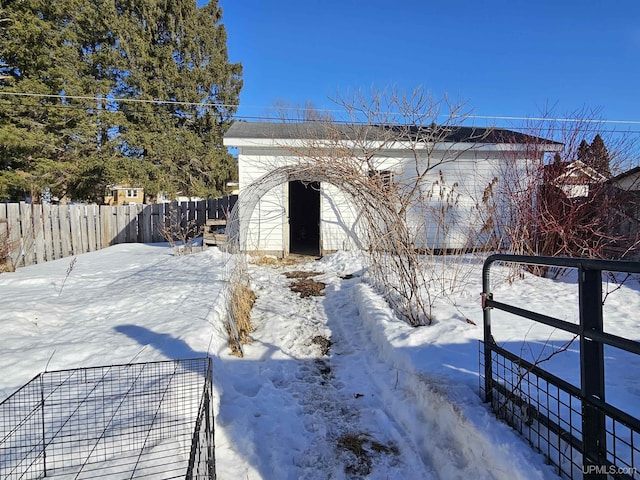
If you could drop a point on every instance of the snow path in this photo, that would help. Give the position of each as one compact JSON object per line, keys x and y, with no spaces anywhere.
{"x":349,"y":394}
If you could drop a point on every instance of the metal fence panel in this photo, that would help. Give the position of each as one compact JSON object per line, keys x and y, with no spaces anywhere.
{"x":576,"y":429}
{"x":143,"y":420}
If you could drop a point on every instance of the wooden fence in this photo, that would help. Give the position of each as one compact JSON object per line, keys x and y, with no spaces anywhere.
{"x":39,"y":233}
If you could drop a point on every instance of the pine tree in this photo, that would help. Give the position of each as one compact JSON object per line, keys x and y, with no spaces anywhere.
{"x":584,"y":152}
{"x":599,"y":156}
{"x":595,"y":155}
{"x":91,"y":54}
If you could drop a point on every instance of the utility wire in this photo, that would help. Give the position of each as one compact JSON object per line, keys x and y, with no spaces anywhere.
{"x":109,"y":99}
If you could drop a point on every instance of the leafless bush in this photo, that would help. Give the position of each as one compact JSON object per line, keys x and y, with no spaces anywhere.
{"x":559,"y":206}
{"x":398,"y":200}
{"x":179,"y":231}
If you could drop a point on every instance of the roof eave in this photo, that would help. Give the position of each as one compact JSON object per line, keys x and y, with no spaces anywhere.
{"x":382,"y":145}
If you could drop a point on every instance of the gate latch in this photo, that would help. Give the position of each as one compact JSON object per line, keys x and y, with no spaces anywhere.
{"x":484,"y":297}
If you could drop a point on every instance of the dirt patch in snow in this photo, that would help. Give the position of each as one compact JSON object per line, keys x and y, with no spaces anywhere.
{"x":307,"y":287}
{"x":361,"y":448}
{"x":301,"y":274}
{"x":323,"y":342}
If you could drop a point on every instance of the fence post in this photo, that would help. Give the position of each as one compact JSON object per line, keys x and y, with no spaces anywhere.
{"x":488,"y":338}
{"x":592,"y":369}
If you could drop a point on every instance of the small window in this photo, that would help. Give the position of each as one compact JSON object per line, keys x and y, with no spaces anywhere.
{"x":385,"y":177}
{"x":132,"y":193}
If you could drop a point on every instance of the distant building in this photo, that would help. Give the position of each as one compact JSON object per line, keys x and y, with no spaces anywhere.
{"x":575,"y":179}
{"x":629,"y":228}
{"x":123,"y":195}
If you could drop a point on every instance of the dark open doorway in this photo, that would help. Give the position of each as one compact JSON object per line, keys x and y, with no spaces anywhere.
{"x":304,"y":218}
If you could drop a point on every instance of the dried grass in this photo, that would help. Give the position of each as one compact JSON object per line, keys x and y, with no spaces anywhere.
{"x":265,"y":260}
{"x":323,"y":342}
{"x":301,"y":274}
{"x":242,"y":300}
{"x":292,"y":259}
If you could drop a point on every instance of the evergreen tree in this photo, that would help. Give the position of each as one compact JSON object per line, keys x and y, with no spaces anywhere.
{"x":167,"y":59}
{"x":584,"y":152}
{"x":595,"y":155}
{"x":600,"y":156}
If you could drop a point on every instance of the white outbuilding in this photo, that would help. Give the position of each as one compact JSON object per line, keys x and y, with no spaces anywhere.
{"x":289,"y":208}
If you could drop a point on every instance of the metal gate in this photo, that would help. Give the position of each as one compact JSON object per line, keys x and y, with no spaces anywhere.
{"x":577,"y":430}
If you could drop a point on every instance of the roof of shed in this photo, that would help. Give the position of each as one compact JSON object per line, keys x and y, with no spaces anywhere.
{"x":319,"y":130}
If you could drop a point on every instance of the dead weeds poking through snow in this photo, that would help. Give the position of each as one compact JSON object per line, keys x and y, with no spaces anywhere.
{"x":278,"y":262}
{"x":363,"y":448}
{"x":242,"y":300}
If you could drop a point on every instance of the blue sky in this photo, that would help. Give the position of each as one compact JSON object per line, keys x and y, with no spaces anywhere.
{"x":504,"y":57}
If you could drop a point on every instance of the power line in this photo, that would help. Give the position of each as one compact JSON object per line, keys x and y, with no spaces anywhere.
{"x":550,"y":119}
{"x":114,"y":99}
{"x":109,"y":99}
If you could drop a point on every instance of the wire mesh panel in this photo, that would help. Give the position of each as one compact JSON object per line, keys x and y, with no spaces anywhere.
{"x":21,"y":433}
{"x":144,"y":420}
{"x":576,"y":427}
{"x":549,"y":414}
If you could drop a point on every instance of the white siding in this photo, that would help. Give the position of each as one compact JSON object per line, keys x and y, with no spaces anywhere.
{"x":338,"y":224}
{"x":264,"y":229}
{"x":462,"y":181}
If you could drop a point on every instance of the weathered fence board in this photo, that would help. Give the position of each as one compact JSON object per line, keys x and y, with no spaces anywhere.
{"x":15,"y":233}
{"x":39,"y":233}
{"x":65,"y":231}
{"x":47,"y":233}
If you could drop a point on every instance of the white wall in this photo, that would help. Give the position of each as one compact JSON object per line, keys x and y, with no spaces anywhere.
{"x":265,"y":228}
{"x":462,"y":184}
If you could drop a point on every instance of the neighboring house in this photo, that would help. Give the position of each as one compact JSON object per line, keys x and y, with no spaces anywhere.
{"x":307,"y":216}
{"x":575,"y":179}
{"x":628,"y":185}
{"x":123,"y":195}
{"x":628,"y":181}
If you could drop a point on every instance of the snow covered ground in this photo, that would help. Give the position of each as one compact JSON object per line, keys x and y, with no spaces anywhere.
{"x":332,"y":386}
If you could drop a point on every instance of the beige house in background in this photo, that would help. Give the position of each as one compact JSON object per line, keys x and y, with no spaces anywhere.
{"x":123,"y":195}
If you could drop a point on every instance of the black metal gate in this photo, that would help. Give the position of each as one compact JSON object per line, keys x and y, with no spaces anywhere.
{"x":577,"y":430}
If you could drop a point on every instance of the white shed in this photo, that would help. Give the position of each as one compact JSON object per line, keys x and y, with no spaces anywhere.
{"x":295,"y":214}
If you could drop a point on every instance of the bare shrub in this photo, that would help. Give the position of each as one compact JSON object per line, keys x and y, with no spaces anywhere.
{"x":411,"y":208}
{"x":179,"y":231}
{"x":558,"y":204}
